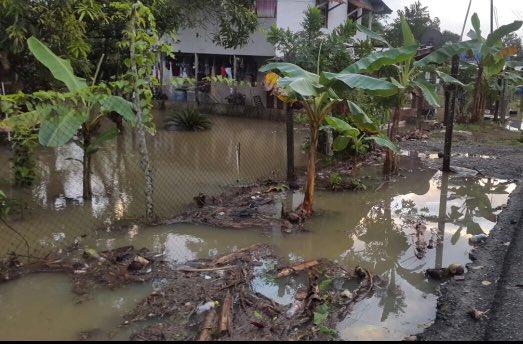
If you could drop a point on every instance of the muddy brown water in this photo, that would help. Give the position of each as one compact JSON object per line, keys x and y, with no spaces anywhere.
{"x":373,"y":229}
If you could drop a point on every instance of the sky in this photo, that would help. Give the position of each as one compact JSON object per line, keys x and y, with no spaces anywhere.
{"x":452,"y":12}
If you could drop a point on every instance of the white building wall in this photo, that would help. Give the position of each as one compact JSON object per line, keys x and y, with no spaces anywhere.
{"x":290,"y":13}
{"x":337,"y":15}
{"x":199,"y":40}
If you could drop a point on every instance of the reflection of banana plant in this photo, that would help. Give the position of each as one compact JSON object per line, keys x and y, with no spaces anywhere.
{"x":476,"y":204}
{"x":83,"y":108}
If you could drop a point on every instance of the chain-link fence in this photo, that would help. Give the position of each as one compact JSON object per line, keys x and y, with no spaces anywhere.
{"x":52,"y":212}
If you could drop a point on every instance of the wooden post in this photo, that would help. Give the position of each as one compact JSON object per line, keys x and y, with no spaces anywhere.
{"x":290,"y":143}
{"x":449,"y":125}
{"x":442,"y":218}
{"x":520,"y":117}
{"x":235,"y":68}
{"x":196,"y":71}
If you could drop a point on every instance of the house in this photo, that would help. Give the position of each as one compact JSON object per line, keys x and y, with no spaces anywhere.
{"x":197,"y":55}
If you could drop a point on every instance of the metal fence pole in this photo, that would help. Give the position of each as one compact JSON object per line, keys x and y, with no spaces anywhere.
{"x":290,"y":143}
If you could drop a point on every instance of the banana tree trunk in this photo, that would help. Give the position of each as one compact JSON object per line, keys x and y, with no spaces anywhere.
{"x":87,"y":191}
{"x":478,"y":105}
{"x":306,"y":206}
{"x":390,"y":166}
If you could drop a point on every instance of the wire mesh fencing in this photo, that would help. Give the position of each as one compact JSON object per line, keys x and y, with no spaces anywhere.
{"x":52,"y":212}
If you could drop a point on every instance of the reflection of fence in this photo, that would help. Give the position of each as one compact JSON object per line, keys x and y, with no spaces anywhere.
{"x":234,"y":150}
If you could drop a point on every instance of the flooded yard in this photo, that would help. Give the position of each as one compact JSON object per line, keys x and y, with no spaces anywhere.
{"x":376,"y":229}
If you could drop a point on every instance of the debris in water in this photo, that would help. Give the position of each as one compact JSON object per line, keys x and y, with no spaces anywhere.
{"x":443,"y":273}
{"x":244,"y":207}
{"x":478,"y":239}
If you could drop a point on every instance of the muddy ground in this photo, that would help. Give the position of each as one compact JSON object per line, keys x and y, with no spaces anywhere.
{"x":491,"y":151}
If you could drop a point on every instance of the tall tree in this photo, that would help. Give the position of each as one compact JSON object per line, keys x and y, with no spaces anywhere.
{"x":419,"y":20}
{"x":83,"y":30}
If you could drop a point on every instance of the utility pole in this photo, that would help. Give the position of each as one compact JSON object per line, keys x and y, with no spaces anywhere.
{"x":290,"y":142}
{"x":449,"y":124}
{"x":465,"y":22}
{"x":491,"y":16}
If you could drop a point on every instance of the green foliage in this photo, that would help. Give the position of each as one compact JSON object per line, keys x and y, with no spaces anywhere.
{"x":189,"y":119}
{"x":60,"y":115}
{"x":83,"y":30}
{"x":335,"y":180}
{"x":24,"y":138}
{"x":359,"y":137}
{"x":303,"y":48}
{"x":417,"y":19}
{"x":320,"y":316}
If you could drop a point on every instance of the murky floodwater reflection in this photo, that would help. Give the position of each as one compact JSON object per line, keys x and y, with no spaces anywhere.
{"x":374,"y":229}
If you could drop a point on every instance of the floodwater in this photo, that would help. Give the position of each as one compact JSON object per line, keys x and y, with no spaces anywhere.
{"x":373,"y":229}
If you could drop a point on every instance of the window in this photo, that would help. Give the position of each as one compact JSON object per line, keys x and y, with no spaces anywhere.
{"x":323,"y":5}
{"x":266,"y":8}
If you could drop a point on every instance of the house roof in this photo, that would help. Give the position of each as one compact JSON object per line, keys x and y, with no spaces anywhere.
{"x":376,"y":6}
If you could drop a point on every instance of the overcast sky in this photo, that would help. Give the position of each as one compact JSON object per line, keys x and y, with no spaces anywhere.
{"x":452,"y":12}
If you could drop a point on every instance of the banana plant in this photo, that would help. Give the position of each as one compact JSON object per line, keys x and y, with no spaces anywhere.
{"x":361,"y":135}
{"x":318,"y":94}
{"x":490,"y":55}
{"x":409,"y":76}
{"x":77,"y":112}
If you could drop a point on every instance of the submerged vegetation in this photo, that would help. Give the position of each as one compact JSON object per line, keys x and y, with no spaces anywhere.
{"x":189,"y":119}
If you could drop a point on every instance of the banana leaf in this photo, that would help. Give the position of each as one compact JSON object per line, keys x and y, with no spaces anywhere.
{"x":60,"y":68}
{"x":377,"y":60}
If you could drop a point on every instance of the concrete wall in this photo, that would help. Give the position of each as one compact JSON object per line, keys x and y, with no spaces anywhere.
{"x":290,"y":13}
{"x":199,"y":40}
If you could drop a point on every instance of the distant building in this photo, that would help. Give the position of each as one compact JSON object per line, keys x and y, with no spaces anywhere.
{"x":196,"y":53}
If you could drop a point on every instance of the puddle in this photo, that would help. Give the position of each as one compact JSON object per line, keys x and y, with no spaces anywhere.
{"x":372,"y":229}
{"x":43,"y":307}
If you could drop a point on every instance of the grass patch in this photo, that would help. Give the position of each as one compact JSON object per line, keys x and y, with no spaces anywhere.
{"x":488,"y":132}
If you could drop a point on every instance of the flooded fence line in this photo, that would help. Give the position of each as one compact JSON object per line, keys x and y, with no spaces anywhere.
{"x":186,"y":165}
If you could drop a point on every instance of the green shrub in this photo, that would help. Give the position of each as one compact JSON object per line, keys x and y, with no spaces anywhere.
{"x":189,"y":119}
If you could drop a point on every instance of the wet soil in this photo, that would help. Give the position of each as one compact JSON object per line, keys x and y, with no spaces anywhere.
{"x":502,"y":158}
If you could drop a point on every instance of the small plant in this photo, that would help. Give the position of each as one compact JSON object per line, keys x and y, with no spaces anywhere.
{"x":357,"y":185}
{"x":189,"y":119}
{"x":335,"y":180}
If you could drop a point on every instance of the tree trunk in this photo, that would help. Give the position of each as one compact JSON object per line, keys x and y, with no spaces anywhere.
{"x":478,"y":105}
{"x":145,"y":161}
{"x":306,"y":206}
{"x":87,"y":190}
{"x":391,"y":160}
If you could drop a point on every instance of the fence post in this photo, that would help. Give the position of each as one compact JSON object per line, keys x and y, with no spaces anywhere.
{"x":449,"y":125}
{"x":290,"y":142}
